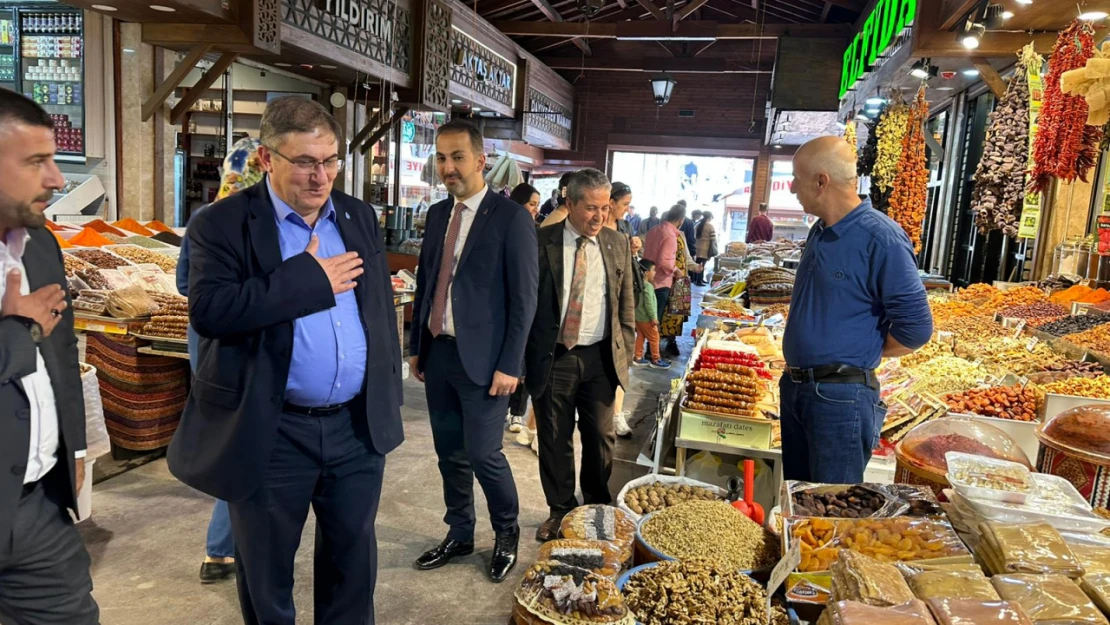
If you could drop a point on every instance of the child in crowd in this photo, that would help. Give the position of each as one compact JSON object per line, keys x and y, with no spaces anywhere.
{"x":647,"y":322}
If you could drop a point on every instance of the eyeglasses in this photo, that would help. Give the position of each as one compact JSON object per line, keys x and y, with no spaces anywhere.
{"x":307,"y":165}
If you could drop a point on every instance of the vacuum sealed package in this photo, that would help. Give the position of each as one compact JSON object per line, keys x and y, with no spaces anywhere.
{"x":965,"y":585}
{"x":1097,"y":588}
{"x":854,"y":613}
{"x":1049,"y":599}
{"x":857,"y":501}
{"x":1028,"y":548}
{"x":1094,"y":559}
{"x":598,"y":522}
{"x":856,"y":577}
{"x":972,"y":612}
{"x":597,"y":556}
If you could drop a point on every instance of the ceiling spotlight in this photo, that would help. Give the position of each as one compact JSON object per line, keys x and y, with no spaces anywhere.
{"x":104,"y":7}
{"x":475,"y":109}
{"x":876,"y":101}
{"x":163,"y":8}
{"x":1092,"y":16}
{"x":992,"y":17}
{"x":970,"y":39}
{"x":778,"y":147}
{"x":456,"y":101}
{"x":282,"y":65}
{"x":322,"y":66}
{"x":1024,"y":1}
{"x":971,"y":73}
{"x":1007,"y":15}
{"x":920,"y":69}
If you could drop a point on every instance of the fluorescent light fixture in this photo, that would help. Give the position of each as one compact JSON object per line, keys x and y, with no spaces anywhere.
{"x":163,"y":8}
{"x":946,"y":88}
{"x":327,"y":67}
{"x":129,"y":50}
{"x":863,"y":118}
{"x":1007,"y":15}
{"x":1093,"y":16}
{"x":970,"y":72}
{"x":456,"y":101}
{"x":475,"y":109}
{"x":675,"y":38}
{"x":876,"y":101}
{"x":777,"y":146}
{"x":283,"y":65}
{"x":1024,"y":1}
{"x":104,"y":7}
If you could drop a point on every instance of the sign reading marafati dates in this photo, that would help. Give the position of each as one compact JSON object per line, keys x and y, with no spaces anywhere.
{"x":883,"y":26}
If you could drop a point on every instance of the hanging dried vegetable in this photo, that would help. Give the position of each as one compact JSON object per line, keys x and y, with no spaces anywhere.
{"x":1066,"y":147}
{"x":889,"y":131}
{"x":865,"y":162}
{"x":850,"y":137}
{"x":1000,"y":176}
{"x":908,"y":200}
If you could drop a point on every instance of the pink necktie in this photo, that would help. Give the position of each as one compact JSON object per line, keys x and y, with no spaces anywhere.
{"x":575,"y":298}
{"x":446,"y":271}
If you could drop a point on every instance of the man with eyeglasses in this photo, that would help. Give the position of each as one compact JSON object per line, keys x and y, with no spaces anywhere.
{"x":290,"y":293}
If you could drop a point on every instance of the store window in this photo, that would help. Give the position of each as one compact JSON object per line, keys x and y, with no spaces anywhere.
{"x":419,"y":187}
{"x":783,"y":206}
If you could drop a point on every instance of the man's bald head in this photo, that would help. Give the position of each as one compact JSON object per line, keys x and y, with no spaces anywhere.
{"x":825,"y":178}
{"x":831,"y":156}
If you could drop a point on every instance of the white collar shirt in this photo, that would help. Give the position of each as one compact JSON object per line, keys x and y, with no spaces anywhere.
{"x":594,"y":300}
{"x":467,"y":218}
{"x":42,"y":453}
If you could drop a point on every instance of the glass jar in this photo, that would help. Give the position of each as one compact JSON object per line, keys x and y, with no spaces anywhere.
{"x":1066,"y":258}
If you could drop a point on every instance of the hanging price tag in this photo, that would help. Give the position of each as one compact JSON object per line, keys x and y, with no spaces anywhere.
{"x":1020,"y":326}
{"x":788,"y":563}
{"x":1031,"y":344}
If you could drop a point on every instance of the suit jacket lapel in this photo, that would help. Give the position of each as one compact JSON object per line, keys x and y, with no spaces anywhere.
{"x":355,"y":239}
{"x":554,"y":248}
{"x":264,"y":230}
{"x":485,"y":209}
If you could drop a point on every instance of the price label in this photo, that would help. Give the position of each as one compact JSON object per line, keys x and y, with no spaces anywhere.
{"x":788,"y":563}
{"x":91,"y":325}
{"x":1017,"y":329}
{"x":1031,"y":344}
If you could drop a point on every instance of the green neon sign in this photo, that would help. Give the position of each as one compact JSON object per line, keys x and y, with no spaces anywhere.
{"x":883,"y":25}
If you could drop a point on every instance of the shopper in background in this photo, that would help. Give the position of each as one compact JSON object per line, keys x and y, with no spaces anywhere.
{"x":527,"y":196}
{"x":689,"y":230}
{"x":634,"y":221}
{"x":620,"y":203}
{"x":297,"y":393}
{"x":761,"y":228}
{"x":552,"y":203}
{"x":560,"y":212}
{"x":666,"y":247}
{"x":242,"y":168}
{"x":857,"y":298}
{"x":706,"y":248}
{"x":649,"y":223}
{"x":44,"y":566}
{"x":475,"y":299}
{"x":647,"y":322}
{"x":578,"y":348}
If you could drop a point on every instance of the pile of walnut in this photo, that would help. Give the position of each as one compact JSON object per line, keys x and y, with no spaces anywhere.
{"x":657,"y":496}
{"x":697,"y":591}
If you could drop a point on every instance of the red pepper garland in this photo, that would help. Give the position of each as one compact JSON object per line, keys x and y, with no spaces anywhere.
{"x":1066,"y":147}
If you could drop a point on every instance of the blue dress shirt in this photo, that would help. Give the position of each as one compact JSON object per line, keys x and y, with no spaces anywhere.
{"x":328,"y":365}
{"x":857,"y":282}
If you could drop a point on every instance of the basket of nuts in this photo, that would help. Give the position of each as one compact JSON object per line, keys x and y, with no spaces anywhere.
{"x":652,"y":493}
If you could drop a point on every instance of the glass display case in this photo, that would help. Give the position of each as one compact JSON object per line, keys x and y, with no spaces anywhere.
{"x":51,"y":70}
{"x":8,"y":41}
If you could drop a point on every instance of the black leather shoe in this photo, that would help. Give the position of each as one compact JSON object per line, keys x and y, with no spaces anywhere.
{"x":549,"y":529}
{"x":504,"y":555}
{"x":212,"y":572}
{"x":447,"y":550}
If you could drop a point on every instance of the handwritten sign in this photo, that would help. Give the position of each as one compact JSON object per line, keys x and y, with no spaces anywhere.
{"x":788,"y":563}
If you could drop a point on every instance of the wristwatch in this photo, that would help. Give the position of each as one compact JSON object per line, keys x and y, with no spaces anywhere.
{"x":32,"y":326}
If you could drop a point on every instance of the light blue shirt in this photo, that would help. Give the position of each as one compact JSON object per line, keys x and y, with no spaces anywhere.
{"x":328,"y":365}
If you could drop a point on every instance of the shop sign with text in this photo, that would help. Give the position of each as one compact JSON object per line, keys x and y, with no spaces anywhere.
{"x":377,"y":29}
{"x":483,"y":70}
{"x":882,"y":29}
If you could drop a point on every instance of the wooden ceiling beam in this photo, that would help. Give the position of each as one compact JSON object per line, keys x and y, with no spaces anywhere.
{"x":952,"y":10}
{"x":677,"y":65}
{"x":685,"y":11}
{"x":989,"y":76}
{"x":825,"y":12}
{"x":655,"y":11}
{"x":655,"y":30}
{"x":156,"y":99}
{"x":206,"y":80}
{"x":549,"y":11}
{"x":944,"y":44}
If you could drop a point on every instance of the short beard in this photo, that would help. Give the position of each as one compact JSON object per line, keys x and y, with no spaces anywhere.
{"x":19,"y":215}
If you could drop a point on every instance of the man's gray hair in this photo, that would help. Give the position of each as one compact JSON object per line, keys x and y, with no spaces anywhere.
{"x":289,"y":114}
{"x":584,"y":180}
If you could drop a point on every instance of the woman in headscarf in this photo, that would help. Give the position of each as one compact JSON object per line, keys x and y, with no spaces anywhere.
{"x":242,"y":168}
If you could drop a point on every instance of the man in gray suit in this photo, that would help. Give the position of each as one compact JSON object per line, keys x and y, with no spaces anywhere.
{"x":44,"y":567}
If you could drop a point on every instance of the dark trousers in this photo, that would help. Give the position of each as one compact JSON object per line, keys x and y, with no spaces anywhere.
{"x":700,"y":275}
{"x":44,"y":567}
{"x":518,"y":401}
{"x":828,"y":430}
{"x":467,"y":428}
{"x":326,"y":463}
{"x":579,"y":382}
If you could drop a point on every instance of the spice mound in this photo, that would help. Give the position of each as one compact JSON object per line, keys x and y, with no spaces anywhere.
{"x":712,"y":530}
{"x":697,"y":591}
{"x":552,"y":592}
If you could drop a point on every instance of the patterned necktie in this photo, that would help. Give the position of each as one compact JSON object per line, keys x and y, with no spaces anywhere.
{"x":575,"y":298}
{"x":446,"y":271}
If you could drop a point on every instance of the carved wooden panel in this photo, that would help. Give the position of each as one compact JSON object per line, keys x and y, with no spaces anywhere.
{"x":483,"y":70}
{"x":377,"y":29}
{"x":267,"y":24}
{"x":435,"y":55}
{"x":546,"y":115}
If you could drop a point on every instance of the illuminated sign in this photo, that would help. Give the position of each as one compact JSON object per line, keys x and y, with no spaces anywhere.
{"x":883,"y":26}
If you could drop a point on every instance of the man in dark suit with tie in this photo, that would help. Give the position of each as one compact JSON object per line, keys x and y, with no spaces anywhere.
{"x":580,"y":346}
{"x":475,"y":297}
{"x":44,"y":567}
{"x":297,"y":392}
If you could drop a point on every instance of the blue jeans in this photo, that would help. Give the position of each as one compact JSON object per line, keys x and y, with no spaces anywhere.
{"x":220,"y":543}
{"x":828,"y":430}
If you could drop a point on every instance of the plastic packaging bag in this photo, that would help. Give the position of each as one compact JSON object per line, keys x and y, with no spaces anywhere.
{"x":1048,"y":598}
{"x":603,"y":558}
{"x":1030,"y":548}
{"x":900,"y":538}
{"x":667,"y":480}
{"x":971,"y":612}
{"x":1097,"y":588}
{"x":605,"y":523}
{"x":853,"y":613}
{"x":96,"y":433}
{"x":856,"y":577}
{"x":966,"y":585}
{"x":1095,"y":560}
{"x":886,"y":500}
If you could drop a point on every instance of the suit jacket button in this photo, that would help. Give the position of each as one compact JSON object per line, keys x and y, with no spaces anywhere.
{"x":19,"y":469}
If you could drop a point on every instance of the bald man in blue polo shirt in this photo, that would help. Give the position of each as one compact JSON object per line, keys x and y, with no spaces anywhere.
{"x":857,"y":298}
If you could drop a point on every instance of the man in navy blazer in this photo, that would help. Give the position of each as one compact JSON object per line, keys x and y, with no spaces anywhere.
{"x":475,"y":298}
{"x":290,"y":293}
